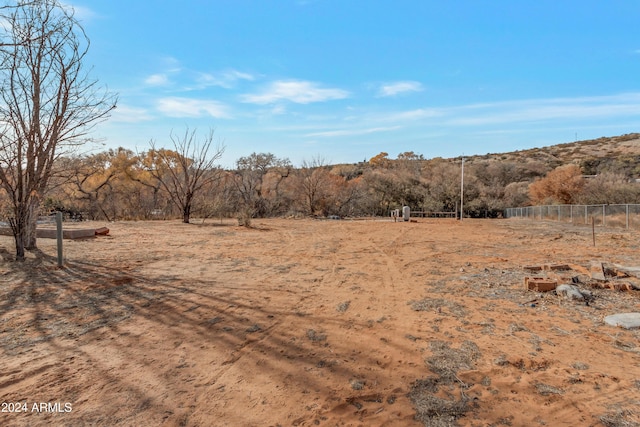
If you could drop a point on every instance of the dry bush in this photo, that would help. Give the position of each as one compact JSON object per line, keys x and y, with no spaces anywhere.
{"x":561,"y":185}
{"x":609,"y":188}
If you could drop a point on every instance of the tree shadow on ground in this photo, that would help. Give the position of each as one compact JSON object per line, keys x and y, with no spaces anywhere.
{"x":61,"y":313}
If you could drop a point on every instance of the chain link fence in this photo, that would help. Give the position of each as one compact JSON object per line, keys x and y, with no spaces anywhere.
{"x":619,"y":216}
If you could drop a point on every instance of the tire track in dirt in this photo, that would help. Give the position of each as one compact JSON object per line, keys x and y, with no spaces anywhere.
{"x":374,"y":391}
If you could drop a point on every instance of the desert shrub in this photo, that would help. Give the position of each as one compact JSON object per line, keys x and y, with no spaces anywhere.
{"x":609,"y":188}
{"x":561,"y":185}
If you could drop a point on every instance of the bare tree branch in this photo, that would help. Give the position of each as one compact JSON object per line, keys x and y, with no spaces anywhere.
{"x":48,"y":103}
{"x":184,"y":171}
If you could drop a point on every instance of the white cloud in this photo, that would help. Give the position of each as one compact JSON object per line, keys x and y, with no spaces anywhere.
{"x":395,"y":88}
{"x":351,"y":132}
{"x":417,"y":114}
{"x":157,"y":80}
{"x":188,"y":107}
{"x":238,"y":75}
{"x":298,"y":91}
{"x":81,"y":13}
{"x":226,"y":79}
{"x":497,"y":116}
{"x":126,"y":114}
{"x":536,"y":110}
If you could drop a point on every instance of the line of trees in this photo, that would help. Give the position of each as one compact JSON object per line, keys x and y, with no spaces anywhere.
{"x":184,"y":181}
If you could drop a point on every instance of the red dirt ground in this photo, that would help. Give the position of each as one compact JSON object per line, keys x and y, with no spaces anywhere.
{"x":308,"y":322}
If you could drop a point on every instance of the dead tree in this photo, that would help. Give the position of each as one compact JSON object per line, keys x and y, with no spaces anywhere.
{"x":184,"y":171}
{"x":48,"y":104}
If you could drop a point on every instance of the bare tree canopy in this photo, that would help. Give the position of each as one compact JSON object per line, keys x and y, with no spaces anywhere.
{"x":48,"y":103}
{"x":184,"y":171}
{"x":249,"y":183}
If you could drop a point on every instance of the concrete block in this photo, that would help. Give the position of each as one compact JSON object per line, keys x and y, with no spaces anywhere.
{"x":79,"y":233}
{"x":597,"y":270}
{"x":557,"y":267}
{"x":102,"y":231}
{"x":540,"y":284}
{"x":50,"y":233}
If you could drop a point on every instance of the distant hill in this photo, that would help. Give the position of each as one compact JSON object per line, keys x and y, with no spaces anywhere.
{"x":615,"y":154}
{"x":612,"y":154}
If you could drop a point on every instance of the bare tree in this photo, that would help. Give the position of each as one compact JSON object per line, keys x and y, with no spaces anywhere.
{"x":249,"y":183}
{"x":185,"y":171}
{"x":314,"y":183}
{"x":47,"y":103}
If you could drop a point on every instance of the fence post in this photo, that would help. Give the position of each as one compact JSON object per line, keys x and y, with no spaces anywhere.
{"x":571,"y":213}
{"x":603,"y":214}
{"x":627,"y":208}
{"x":59,"y":238}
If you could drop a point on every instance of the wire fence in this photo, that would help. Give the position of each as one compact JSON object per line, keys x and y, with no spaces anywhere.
{"x":617,"y":216}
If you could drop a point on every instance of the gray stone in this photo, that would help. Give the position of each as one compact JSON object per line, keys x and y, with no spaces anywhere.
{"x":624,"y":320}
{"x":570,"y":291}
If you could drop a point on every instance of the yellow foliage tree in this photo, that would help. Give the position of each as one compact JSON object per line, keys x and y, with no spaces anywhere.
{"x":381,"y":160}
{"x":561,"y":186}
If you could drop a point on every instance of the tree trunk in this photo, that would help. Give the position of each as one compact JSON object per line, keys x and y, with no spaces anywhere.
{"x":31,"y":224}
{"x":17,"y":226}
{"x":186,"y":213}
{"x":19,"y":247}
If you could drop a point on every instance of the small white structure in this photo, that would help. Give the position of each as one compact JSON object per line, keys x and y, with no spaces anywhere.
{"x":395,"y":214}
{"x":406,"y":213}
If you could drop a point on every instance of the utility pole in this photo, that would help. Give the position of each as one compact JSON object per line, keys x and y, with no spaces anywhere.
{"x":462,"y":189}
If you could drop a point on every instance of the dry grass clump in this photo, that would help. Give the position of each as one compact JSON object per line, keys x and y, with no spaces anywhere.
{"x":316,"y":336}
{"x":580,"y":366}
{"x":619,"y":418}
{"x":434,"y":411}
{"x":516,"y":327}
{"x":437,"y":304}
{"x":357,"y":384}
{"x":343,"y":306}
{"x":445,"y":362}
{"x":546,"y":389}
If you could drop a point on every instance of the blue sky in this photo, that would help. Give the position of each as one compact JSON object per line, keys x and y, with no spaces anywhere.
{"x":345,"y":80}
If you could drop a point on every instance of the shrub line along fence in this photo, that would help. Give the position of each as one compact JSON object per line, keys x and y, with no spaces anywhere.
{"x":620,"y":216}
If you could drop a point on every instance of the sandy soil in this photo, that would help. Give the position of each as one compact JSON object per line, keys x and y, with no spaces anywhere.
{"x":308,"y":322}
